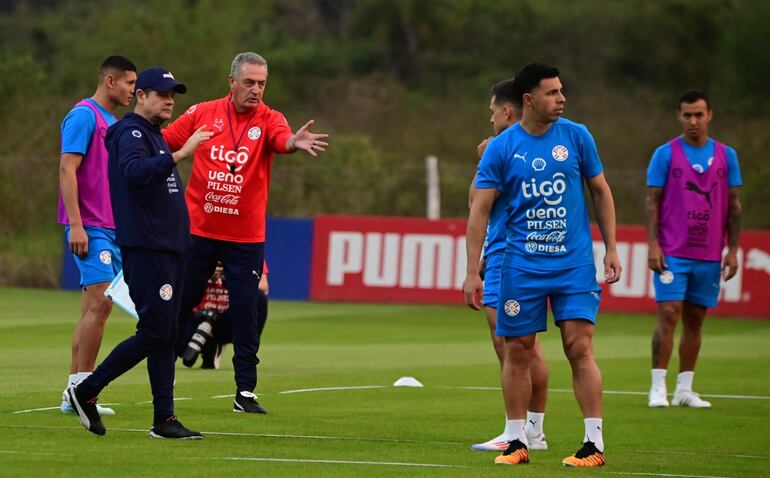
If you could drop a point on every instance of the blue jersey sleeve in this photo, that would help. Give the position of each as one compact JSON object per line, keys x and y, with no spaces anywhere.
{"x":734,"y":179}
{"x":590,"y":164}
{"x":136,"y":162}
{"x":657,"y":170}
{"x":490,"y":169}
{"x":76,"y":130}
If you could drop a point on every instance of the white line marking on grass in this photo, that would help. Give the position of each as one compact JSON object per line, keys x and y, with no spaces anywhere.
{"x":257,"y":435}
{"x":223,"y":396}
{"x":54,"y":408}
{"x":726,"y":455}
{"x":324,"y":389}
{"x":662,"y":474}
{"x":343,"y":462}
{"x":624,"y":392}
{"x":11,"y":452}
{"x":179,"y":399}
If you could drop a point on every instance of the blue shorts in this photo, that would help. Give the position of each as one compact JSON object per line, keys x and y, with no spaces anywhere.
{"x":689,"y":280}
{"x":103,"y":261}
{"x":522,"y":309}
{"x":493,"y":265}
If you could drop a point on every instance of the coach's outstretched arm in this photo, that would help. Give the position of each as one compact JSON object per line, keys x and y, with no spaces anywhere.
{"x":478,"y":218}
{"x":604,"y":208}
{"x":305,"y":140}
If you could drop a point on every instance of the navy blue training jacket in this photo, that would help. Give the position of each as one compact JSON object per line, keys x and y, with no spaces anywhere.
{"x":147,"y":193}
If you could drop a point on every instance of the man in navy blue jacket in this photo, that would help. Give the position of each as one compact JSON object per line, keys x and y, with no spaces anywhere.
{"x":153,"y":232}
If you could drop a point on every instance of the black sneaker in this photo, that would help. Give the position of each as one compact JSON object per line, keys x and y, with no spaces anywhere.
{"x":246,"y":402}
{"x":86,"y":411}
{"x":173,"y":428}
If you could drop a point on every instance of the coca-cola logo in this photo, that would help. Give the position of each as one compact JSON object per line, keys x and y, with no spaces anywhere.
{"x":555,"y":236}
{"x":231,"y":199}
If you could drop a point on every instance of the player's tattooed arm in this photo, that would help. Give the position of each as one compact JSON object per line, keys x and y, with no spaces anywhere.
{"x":734,"y":210}
{"x":655,"y":259}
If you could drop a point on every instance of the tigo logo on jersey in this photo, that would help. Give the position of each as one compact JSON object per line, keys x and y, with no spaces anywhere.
{"x":105,"y":257}
{"x":254,"y":133}
{"x":166,"y":292}
{"x":512,"y":308}
{"x":546,"y":189}
{"x":240,"y":158}
{"x":560,"y":153}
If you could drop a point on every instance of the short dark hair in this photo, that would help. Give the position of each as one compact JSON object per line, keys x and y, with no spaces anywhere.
{"x":529,"y":77}
{"x":692,"y":96}
{"x":505,"y":92}
{"x":116,"y":63}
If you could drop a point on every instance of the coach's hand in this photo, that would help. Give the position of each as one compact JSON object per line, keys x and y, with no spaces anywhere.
{"x":307,"y":141}
{"x":612,"y":267}
{"x":483,"y":146}
{"x":200,"y":135}
{"x":473,"y":288}
{"x":78,"y":241}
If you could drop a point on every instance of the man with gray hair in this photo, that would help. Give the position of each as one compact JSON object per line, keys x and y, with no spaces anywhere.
{"x":227,"y":200}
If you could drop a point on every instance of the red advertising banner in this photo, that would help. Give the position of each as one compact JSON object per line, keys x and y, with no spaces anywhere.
{"x":390,"y":259}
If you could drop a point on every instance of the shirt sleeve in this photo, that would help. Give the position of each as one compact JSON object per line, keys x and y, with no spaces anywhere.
{"x":179,"y":131}
{"x":278,"y":132}
{"x":590,"y":163}
{"x":657,"y":171}
{"x":77,"y":129}
{"x":135,"y":162}
{"x":490,"y":170}
{"x":734,"y":179}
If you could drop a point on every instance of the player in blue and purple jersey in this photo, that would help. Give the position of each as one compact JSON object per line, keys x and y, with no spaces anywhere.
{"x":541,"y":165}
{"x":505,"y":111}
{"x":85,"y":209}
{"x":693,"y":203}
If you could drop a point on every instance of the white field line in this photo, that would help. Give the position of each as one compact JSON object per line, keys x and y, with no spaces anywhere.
{"x":366,"y":387}
{"x":11,"y":452}
{"x":726,"y":455}
{"x":326,"y":389}
{"x":662,"y":474}
{"x":255,"y":435}
{"x":343,"y":462}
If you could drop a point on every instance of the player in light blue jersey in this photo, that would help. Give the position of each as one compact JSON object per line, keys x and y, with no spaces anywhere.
{"x":540,"y":165}
{"x":505,"y":111}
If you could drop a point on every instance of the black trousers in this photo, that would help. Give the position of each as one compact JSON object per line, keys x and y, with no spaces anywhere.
{"x":243,"y":268}
{"x":155,"y":281}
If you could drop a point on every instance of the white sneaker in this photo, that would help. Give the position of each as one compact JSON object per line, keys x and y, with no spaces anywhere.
{"x":688,"y":398}
{"x":658,"y":398}
{"x":499,"y":443}
{"x":66,"y":408}
{"x":536,"y":442}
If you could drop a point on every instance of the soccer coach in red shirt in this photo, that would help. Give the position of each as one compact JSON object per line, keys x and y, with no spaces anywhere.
{"x":227,"y":200}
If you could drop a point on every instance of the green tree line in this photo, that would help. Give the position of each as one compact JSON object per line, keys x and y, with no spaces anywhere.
{"x":393,"y":81}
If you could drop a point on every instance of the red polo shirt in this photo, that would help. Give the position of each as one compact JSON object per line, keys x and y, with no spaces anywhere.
{"x":227,"y":192}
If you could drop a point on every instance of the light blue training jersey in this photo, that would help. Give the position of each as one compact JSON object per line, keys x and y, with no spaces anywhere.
{"x":700,"y":159}
{"x":541,"y":179}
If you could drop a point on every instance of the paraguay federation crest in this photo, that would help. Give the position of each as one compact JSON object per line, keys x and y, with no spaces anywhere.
{"x":254,"y":133}
{"x":166,"y":292}
{"x":105,"y":257}
{"x":560,"y":153}
{"x":512,"y":308}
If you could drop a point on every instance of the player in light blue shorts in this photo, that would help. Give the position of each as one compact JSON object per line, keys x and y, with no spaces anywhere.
{"x":504,"y":113}
{"x":539,"y":166}
{"x":103,"y":261}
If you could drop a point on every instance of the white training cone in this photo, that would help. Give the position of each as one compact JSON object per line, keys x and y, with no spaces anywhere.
{"x":407,"y":382}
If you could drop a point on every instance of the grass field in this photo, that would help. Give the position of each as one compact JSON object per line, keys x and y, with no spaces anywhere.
{"x":310,"y":346}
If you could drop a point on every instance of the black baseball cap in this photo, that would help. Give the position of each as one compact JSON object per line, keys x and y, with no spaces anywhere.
{"x":160,"y":80}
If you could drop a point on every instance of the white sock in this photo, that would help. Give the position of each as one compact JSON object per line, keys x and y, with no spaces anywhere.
{"x":659,"y":378}
{"x":684,"y":380}
{"x":73,"y":380}
{"x":534,"y":426}
{"x":80,"y":376}
{"x":514,"y":429}
{"x":594,"y":432}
